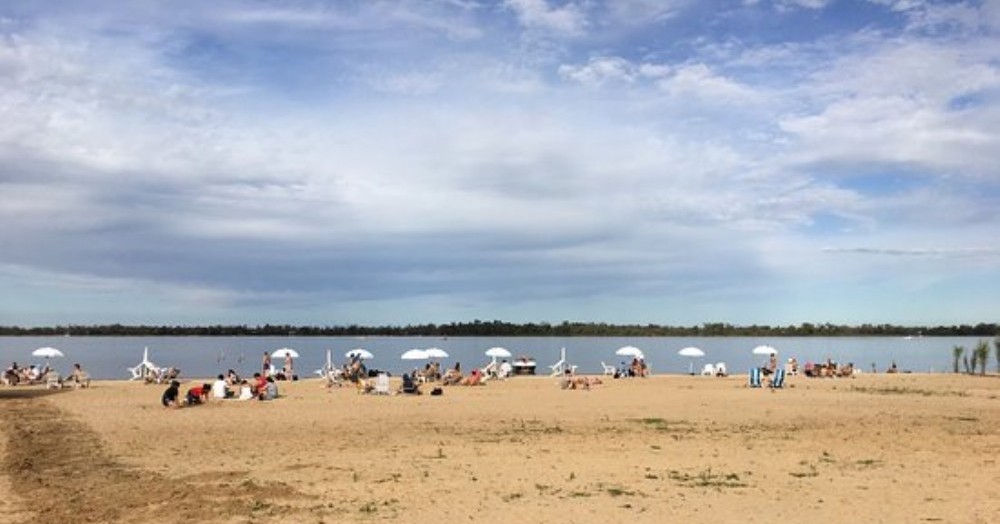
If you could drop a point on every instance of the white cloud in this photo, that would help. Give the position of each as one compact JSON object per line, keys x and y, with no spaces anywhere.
{"x":698,"y":81}
{"x":806,"y":4}
{"x":567,"y":20}
{"x":599,"y":71}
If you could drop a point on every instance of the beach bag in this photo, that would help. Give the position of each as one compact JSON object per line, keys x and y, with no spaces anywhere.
{"x":437,"y":392}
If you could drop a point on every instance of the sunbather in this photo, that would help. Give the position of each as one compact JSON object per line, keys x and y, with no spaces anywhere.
{"x":475,"y":378}
{"x":78,"y":377}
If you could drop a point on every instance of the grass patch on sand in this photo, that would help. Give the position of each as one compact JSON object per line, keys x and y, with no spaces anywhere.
{"x":708,"y":479}
{"x":667,"y":426}
{"x":902,"y":390}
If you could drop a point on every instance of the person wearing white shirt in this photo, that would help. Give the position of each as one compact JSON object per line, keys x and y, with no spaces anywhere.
{"x":220,"y":389}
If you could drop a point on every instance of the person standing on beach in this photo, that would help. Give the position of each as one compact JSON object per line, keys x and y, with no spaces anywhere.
{"x":266,"y":365}
{"x":287,"y":369}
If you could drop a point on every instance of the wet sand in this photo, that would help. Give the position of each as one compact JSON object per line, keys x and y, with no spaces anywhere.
{"x":885,"y":448}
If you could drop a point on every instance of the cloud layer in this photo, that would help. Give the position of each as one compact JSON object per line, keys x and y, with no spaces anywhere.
{"x":530,"y":160}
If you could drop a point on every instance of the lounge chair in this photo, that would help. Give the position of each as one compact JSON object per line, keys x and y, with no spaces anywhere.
{"x":559,"y":368}
{"x":755,"y":377}
{"x":53,"y":380}
{"x":382,"y":384}
{"x":708,"y":370}
{"x":720,"y":369}
{"x":778,"y":381}
{"x":608,"y":370}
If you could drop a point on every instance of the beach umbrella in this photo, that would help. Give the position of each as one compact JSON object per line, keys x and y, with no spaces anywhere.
{"x":414,"y":354}
{"x":47,"y":352}
{"x":285,"y":352}
{"x":498,"y":353}
{"x":692,"y":353}
{"x":436,"y":353}
{"x":363,"y":354}
{"x":630,"y":351}
{"x":764,"y":350}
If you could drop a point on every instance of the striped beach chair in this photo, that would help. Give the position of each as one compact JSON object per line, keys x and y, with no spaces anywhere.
{"x":755,"y":377}
{"x":779,"y":379}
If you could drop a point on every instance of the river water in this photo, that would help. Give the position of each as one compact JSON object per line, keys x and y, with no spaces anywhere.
{"x":108,"y":357}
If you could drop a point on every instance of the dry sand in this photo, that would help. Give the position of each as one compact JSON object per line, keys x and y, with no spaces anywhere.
{"x":886,"y":448}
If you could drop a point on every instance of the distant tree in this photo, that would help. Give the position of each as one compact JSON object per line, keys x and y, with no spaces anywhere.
{"x":957,"y":353}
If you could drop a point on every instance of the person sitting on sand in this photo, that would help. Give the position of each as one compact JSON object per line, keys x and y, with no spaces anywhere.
{"x":171,"y":397}
{"x":233,"y":378}
{"x":220,"y":388}
{"x":409,"y":386}
{"x":892,"y":368}
{"x":258,"y":384}
{"x":198,"y":394}
{"x":12,"y":375}
{"x":246,"y":392}
{"x":269,"y":391}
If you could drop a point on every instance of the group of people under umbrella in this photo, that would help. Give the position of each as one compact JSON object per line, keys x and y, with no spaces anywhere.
{"x":45,"y":373}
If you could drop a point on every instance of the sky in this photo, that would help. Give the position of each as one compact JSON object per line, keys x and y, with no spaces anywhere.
{"x":377,"y":162}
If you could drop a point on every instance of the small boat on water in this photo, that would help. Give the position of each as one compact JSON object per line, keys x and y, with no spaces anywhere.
{"x":524,"y":366}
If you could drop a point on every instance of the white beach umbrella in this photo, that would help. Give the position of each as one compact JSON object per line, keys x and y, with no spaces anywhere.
{"x":285,"y":352}
{"x":764,"y":350}
{"x":630,"y":351}
{"x":436,"y":353}
{"x":692,"y":353}
{"x":363,"y":354}
{"x":47,"y":352}
{"x":498,"y":352}
{"x":414,"y":354}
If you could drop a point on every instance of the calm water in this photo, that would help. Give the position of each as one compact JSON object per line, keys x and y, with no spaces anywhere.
{"x":108,"y":357}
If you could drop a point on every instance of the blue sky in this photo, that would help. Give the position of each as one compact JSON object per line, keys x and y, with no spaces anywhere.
{"x":377,"y":162}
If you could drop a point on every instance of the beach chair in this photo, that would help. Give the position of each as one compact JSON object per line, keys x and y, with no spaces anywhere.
{"x":608,"y":370}
{"x":720,"y":369}
{"x":755,"y":377}
{"x":382,"y":384}
{"x":53,"y":380}
{"x":708,"y":370}
{"x":778,"y":381}
{"x":559,"y":368}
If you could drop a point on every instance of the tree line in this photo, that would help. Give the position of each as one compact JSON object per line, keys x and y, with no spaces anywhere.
{"x":497,"y":328}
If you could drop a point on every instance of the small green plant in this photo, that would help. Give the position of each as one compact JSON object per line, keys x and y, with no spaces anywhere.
{"x":981,"y":354}
{"x":996,"y":350}
{"x":956,"y":353}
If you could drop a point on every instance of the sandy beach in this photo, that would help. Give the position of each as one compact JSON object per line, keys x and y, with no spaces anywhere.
{"x":876,"y":448}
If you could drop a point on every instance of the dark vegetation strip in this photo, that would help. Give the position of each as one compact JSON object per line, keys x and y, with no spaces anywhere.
{"x":497,"y":328}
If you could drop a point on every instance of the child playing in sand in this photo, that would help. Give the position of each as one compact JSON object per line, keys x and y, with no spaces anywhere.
{"x":171,"y":397}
